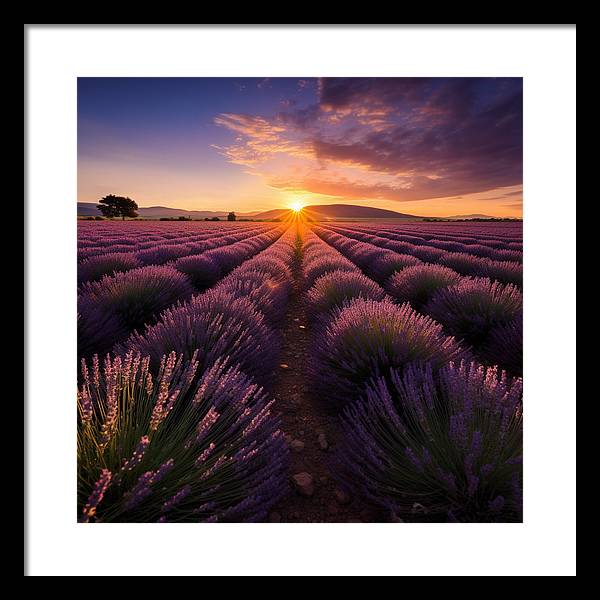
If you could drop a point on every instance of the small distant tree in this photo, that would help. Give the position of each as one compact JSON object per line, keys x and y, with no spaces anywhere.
{"x":231,"y":216}
{"x":215,"y":219}
{"x":112,"y":206}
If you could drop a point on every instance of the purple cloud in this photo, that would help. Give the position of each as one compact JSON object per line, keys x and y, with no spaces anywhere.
{"x":398,"y":138}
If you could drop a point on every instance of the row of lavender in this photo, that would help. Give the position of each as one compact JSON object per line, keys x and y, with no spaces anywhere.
{"x":485,"y":314}
{"x":111,"y":308}
{"x":174,"y":426}
{"x":496,"y":235}
{"x":426,"y":428}
{"x":141,"y":249}
{"x":139,"y":235}
{"x":505,"y":266}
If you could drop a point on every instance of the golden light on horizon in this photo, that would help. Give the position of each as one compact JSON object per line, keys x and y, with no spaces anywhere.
{"x":296,"y":206}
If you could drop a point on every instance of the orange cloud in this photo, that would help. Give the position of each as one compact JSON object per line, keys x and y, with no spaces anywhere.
{"x":402,"y":140}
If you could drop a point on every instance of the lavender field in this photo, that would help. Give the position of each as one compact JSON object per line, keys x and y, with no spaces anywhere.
{"x":291,"y":259}
{"x":299,"y":371}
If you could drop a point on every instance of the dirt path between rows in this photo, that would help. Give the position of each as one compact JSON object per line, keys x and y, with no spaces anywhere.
{"x":308,"y":428}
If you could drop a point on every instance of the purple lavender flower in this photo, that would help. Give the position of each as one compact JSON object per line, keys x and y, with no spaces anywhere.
{"x":96,"y":267}
{"x":417,"y":284}
{"x":267,"y":294}
{"x":504,"y":271}
{"x":338,"y":287}
{"x":98,"y":491}
{"x":434,"y":436}
{"x":84,"y":403}
{"x":215,"y":324}
{"x":463,"y":263}
{"x":472,"y":308}
{"x":177,"y":498}
{"x":201,"y":270}
{"x":366,"y":338}
{"x":159,"y":255}
{"x":388,"y":263}
{"x":269,"y":262}
{"x":321,"y":265}
{"x":428,"y":254}
{"x":182,"y":443}
{"x":140,"y":491}
{"x":136,"y":458}
{"x":118,"y":304}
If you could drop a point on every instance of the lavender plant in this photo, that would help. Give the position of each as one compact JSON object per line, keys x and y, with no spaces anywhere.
{"x":159,"y":255}
{"x":428,"y":253}
{"x":173,"y":448}
{"x":388,"y":263}
{"x":276,"y":267}
{"x":95,"y":267}
{"x":227,"y":257}
{"x":268,"y":294}
{"x":201,"y":270}
{"x":472,"y":307}
{"x":364,"y":254}
{"x":365,"y":338}
{"x":126,"y":301}
{"x":448,"y":444}
{"x":417,"y":284}
{"x":334,"y":289}
{"x":508,"y":255}
{"x":216,"y":324}
{"x":448,"y":246}
{"x":463,"y":263}
{"x":320,"y":265}
{"x":504,"y":271}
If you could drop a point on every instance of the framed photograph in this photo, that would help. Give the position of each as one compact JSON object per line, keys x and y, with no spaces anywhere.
{"x":291,"y":291}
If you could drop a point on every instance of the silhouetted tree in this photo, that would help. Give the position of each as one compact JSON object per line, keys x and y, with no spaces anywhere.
{"x":231,"y":216}
{"x":118,"y":206}
{"x":215,"y":219}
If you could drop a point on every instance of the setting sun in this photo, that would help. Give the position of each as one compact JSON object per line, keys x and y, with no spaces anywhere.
{"x":296,"y":206}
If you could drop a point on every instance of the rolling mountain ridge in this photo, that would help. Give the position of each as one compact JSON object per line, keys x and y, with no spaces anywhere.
{"x":89,"y":209}
{"x":338,"y":211}
{"x":317,"y":212}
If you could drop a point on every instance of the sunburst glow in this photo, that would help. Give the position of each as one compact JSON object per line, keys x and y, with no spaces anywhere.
{"x":296,"y":206}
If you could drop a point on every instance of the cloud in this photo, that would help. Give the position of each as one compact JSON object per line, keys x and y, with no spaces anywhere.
{"x":399,"y":139}
{"x":258,"y":139}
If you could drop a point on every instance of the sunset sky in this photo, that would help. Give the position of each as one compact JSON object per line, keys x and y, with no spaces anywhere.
{"x":421,"y":146}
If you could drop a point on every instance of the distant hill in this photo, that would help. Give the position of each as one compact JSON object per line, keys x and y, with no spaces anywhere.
{"x":88,"y":209}
{"x":318,"y":212}
{"x":338,"y":212}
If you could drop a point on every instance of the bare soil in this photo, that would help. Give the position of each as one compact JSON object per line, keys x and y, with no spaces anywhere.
{"x":303,"y":418}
